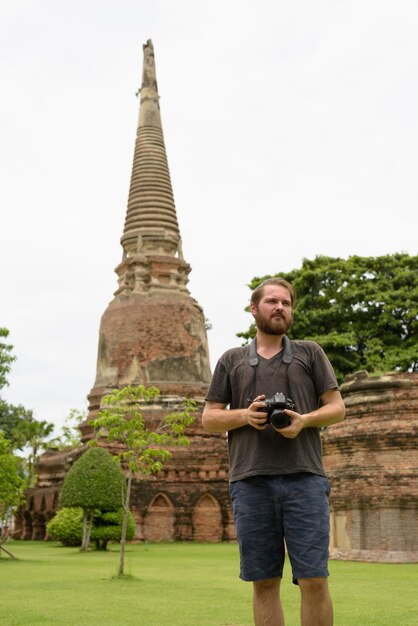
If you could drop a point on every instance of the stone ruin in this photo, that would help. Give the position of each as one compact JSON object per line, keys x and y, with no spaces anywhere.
{"x":372,"y":462}
{"x":153,"y":333}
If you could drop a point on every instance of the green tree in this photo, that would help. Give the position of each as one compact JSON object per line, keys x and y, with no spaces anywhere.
{"x":12,"y":484}
{"x":70,"y":436}
{"x":33,"y":434}
{"x":10,"y":415}
{"x":363,"y":311}
{"x":143,"y":447}
{"x":94,"y":483}
{"x":6,"y":357}
{"x":10,"y":418}
{"x":17,"y":423}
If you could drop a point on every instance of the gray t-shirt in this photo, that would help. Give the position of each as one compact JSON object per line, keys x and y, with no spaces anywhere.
{"x":266,"y":452}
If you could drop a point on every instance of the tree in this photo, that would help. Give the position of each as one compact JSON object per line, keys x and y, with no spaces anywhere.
{"x":17,"y":423}
{"x":143,"y":446}
{"x":12,"y":484}
{"x":70,"y":430}
{"x":10,"y":418}
{"x":33,"y":434}
{"x":6,"y":357}
{"x":363,"y":311}
{"x":9,"y":415}
{"x":94,"y":483}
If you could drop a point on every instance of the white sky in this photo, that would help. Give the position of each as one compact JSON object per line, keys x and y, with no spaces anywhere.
{"x":291,"y":130}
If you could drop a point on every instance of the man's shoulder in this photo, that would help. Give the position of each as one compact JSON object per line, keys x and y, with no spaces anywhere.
{"x":305,"y":343}
{"x":236,"y":352}
{"x":305,"y":346}
{"x":235,"y":355}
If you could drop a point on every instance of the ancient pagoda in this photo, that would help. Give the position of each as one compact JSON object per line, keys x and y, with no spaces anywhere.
{"x":152,"y":333}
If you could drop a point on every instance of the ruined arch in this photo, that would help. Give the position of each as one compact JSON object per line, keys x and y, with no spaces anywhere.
{"x":159,"y":519}
{"x":207,"y":519}
{"x":38,"y":526}
{"x":27,"y":525}
{"x":55,"y":502}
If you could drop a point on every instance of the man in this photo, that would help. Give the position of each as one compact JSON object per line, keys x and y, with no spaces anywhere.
{"x":279,"y":489}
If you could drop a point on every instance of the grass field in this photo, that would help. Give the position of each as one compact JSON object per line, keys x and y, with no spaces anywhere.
{"x":181,"y":585}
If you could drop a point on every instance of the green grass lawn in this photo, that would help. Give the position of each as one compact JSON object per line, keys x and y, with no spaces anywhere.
{"x":181,"y":584}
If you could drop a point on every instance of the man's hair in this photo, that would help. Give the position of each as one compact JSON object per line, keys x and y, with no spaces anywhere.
{"x":258,"y":292}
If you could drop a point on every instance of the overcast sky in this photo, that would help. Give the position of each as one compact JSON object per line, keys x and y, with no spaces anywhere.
{"x":291,"y":131}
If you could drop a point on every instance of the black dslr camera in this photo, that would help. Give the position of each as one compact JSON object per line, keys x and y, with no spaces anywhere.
{"x":275,"y":410}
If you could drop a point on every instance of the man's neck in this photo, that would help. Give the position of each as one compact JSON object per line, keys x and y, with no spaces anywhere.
{"x":268,"y":345}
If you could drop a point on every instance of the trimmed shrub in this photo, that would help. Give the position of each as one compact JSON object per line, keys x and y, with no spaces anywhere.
{"x":66,"y":526}
{"x":108,"y":527}
{"x":93,"y":482}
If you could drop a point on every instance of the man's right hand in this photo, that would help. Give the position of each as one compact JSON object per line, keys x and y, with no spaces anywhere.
{"x":255,"y":418}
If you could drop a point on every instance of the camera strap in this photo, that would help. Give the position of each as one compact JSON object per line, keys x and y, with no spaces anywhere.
{"x":287,"y":357}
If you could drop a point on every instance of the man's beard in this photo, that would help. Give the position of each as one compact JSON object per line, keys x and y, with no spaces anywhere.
{"x":276,"y":325}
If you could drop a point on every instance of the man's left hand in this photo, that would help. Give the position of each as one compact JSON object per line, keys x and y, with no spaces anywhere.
{"x":293,"y":430}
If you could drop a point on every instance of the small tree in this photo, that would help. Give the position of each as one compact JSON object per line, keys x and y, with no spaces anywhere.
{"x":12,"y":486}
{"x":6,"y":357}
{"x":94,"y":482}
{"x":144,"y":449}
{"x":33,"y":434}
{"x":70,"y":431}
{"x":10,"y":416}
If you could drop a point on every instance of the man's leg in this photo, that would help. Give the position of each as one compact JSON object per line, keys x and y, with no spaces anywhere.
{"x":316,"y":605}
{"x":266,"y":602}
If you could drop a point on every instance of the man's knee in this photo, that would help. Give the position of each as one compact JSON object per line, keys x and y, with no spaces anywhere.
{"x":266,"y":585}
{"x":313,"y":586}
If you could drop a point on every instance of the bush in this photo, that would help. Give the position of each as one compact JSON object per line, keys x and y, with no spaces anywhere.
{"x":108,"y":527}
{"x":66,"y":526}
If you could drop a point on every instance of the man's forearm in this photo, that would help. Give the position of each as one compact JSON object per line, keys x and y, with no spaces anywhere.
{"x":216,"y":420}
{"x":325,"y":416}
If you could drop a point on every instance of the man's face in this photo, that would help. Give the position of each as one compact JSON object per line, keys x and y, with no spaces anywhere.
{"x":273,"y":315}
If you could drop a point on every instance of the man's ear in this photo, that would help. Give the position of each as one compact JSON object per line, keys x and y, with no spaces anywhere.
{"x":253,"y":308}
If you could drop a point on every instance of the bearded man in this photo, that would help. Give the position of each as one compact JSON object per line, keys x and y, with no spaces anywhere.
{"x":279,"y":489}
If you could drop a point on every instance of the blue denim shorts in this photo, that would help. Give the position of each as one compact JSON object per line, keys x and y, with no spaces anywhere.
{"x":271,"y":512}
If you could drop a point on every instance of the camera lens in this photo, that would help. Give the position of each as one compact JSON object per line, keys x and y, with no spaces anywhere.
{"x":279,"y":419}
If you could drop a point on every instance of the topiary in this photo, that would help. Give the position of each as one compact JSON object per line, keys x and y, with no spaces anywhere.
{"x":66,"y":526}
{"x":108,"y":527}
{"x":94,"y":481}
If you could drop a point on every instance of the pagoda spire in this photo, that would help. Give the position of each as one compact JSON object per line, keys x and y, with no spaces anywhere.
{"x":151,"y":225}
